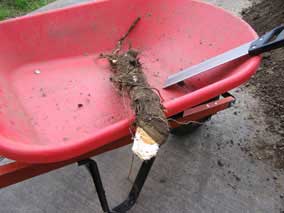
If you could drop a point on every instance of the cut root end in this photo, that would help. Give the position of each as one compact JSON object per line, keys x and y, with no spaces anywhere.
{"x":144,"y":146}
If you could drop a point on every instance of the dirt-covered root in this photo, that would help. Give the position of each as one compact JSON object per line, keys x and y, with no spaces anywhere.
{"x":129,"y":78}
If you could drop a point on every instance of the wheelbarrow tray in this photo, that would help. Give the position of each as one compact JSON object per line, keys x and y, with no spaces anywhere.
{"x":57,"y":101}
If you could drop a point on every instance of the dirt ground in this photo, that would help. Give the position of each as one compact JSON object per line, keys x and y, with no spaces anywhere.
{"x":268,"y":83}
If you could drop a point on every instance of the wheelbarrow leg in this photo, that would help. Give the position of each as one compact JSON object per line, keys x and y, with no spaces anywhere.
{"x":138,"y":184}
{"x":92,"y":167}
{"x":136,"y":188}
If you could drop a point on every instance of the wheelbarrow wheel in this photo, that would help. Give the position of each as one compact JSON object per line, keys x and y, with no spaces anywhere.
{"x":191,"y":127}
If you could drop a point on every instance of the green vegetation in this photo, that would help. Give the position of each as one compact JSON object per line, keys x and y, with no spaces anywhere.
{"x":13,"y":8}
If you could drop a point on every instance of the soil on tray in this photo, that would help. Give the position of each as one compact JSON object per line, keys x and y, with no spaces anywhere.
{"x":268,"y":83}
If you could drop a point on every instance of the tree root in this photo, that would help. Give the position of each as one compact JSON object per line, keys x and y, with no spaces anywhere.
{"x":128,"y":77}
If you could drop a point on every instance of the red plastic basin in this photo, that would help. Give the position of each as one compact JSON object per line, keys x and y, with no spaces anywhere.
{"x":56,"y":100}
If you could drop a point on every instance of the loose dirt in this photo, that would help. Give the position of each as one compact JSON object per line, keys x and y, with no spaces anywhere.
{"x":268,"y":83}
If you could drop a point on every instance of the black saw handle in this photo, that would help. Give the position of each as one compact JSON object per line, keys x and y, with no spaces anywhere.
{"x":269,"y":41}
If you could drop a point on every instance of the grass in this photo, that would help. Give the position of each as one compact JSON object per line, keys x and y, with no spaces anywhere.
{"x":13,"y":8}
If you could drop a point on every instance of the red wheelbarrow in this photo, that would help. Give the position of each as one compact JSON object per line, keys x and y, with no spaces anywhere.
{"x":57,"y":104}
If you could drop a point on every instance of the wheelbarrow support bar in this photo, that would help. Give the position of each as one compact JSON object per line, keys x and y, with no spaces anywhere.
{"x":138,"y":184}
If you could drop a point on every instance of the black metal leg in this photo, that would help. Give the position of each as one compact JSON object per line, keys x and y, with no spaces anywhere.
{"x":138,"y":184}
{"x":136,"y":188}
{"x":92,"y":167}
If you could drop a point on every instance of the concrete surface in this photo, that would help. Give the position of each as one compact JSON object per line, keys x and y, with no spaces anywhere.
{"x":232,"y":5}
{"x":186,"y":176}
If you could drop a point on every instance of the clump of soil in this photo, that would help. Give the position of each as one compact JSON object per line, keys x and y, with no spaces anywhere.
{"x":128,"y":77}
{"x":268,"y":83}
